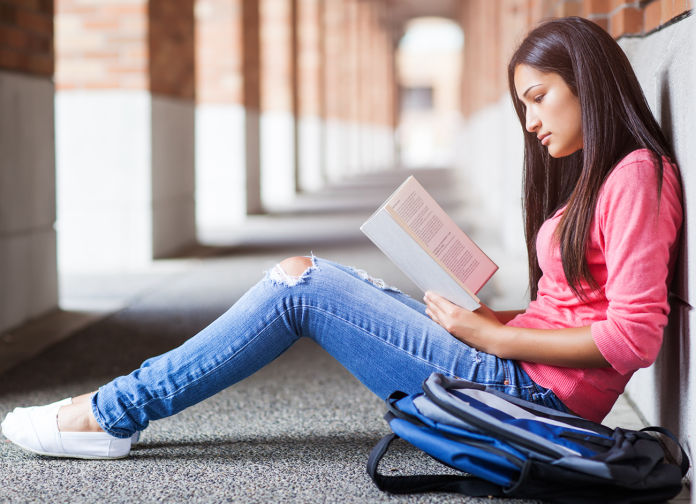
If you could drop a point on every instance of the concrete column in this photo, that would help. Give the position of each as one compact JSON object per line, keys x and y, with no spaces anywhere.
{"x":335,"y":83}
{"x":376,"y":89}
{"x":309,"y":89}
{"x":28,"y":273}
{"x":363,"y":78}
{"x":251,"y":93}
{"x":359,"y":85}
{"x":221,"y":175}
{"x":278,"y":180}
{"x":125,"y":131}
{"x":172,"y":90}
{"x":386,"y":95}
{"x":352,"y":96}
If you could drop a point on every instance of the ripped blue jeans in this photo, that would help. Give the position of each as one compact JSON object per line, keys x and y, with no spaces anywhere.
{"x":379,"y":334}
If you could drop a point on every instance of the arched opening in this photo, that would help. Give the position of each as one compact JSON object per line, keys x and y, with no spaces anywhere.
{"x":429,"y":57}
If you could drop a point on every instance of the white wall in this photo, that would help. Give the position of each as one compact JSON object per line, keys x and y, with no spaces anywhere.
{"x":173,"y":175}
{"x":490,"y":172}
{"x":28,"y":276}
{"x":125,"y":164}
{"x":220,"y":168}
{"x":103,"y":147}
{"x":353,"y":148}
{"x":336,"y":161}
{"x":665,"y":65}
{"x":371,"y":148}
{"x":378,"y":147}
{"x":311,"y":174}
{"x":277,"y":159}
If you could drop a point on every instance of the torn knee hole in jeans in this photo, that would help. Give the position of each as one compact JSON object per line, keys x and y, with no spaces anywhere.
{"x":278,"y":276}
{"x":377,"y":282}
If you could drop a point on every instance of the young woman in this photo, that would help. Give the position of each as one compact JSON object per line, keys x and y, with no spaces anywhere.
{"x":603,"y":211}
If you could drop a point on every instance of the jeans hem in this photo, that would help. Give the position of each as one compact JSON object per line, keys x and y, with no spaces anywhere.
{"x":100,"y":419}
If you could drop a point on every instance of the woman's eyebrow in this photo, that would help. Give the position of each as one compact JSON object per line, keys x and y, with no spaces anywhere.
{"x":528,"y":89}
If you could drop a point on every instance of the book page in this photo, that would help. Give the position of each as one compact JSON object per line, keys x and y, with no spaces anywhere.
{"x":427,"y":222}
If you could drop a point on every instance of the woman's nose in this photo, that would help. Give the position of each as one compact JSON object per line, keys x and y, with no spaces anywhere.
{"x":533,"y":122}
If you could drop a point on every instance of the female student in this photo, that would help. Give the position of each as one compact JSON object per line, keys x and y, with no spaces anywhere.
{"x":602,"y":210}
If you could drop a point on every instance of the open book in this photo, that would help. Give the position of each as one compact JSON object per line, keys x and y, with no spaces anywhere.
{"x":425,"y":243}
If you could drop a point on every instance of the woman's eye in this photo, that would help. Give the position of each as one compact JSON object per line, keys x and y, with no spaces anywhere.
{"x":538,"y":98}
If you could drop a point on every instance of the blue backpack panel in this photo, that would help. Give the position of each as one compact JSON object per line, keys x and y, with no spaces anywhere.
{"x":509,"y":447}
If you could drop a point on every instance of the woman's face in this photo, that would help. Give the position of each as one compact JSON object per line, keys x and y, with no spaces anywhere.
{"x":552,"y":111}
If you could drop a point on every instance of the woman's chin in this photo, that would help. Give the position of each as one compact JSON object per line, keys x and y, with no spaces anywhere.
{"x":560,"y":153}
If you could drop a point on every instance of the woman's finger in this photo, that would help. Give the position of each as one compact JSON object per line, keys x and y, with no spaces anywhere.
{"x":430,"y":302}
{"x":432,"y":311}
{"x":445,"y":307}
{"x":433,"y":297}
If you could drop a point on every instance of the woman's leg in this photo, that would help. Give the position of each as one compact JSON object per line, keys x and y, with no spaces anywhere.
{"x":380,"y":335}
{"x":505,"y":375}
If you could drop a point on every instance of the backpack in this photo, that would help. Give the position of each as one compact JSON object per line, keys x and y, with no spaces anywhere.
{"x":510,"y":447}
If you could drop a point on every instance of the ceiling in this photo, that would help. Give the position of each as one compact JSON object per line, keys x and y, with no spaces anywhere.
{"x":400,"y":12}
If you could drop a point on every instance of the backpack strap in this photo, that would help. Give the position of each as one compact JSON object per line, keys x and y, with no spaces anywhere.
{"x":467,"y":485}
{"x":438,"y":380}
{"x":684,"y":462}
{"x":436,"y":390}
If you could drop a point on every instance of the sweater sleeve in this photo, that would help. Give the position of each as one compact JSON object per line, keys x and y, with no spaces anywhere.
{"x":638,"y":241}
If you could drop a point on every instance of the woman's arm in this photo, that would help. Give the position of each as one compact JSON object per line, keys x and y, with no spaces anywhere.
{"x":505,"y":316}
{"x":482,"y":330}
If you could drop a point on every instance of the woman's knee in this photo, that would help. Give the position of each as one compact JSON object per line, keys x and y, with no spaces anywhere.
{"x":296,"y":266}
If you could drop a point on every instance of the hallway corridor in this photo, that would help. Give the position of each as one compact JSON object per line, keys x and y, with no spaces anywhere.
{"x":159,"y":156}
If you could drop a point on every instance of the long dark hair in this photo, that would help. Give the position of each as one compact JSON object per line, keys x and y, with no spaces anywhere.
{"x":616,"y":119}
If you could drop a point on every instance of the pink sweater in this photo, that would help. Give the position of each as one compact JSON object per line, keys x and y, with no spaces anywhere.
{"x":631,"y":252}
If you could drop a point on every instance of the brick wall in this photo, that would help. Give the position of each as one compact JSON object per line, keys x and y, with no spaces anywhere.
{"x":620,"y":17}
{"x":483,"y":74}
{"x":494,"y":29}
{"x":384,"y":70}
{"x":251,"y":54}
{"x":126,"y":44}
{"x":375,"y":66}
{"x":309,"y":32}
{"x":334,"y":59}
{"x":218,"y":33}
{"x":101,"y":45}
{"x":171,"y":48}
{"x":276,"y":53}
{"x":364,"y":47}
{"x":26,"y":36}
{"x":358,"y":62}
{"x":350,"y":67}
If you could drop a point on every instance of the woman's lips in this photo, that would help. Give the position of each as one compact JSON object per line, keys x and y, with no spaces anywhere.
{"x":544,"y":139}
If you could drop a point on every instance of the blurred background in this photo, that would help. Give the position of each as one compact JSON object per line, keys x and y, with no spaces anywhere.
{"x":137,"y":136}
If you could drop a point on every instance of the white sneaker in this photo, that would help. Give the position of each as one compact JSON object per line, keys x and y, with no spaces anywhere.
{"x":36,"y":429}
{"x":135,"y":438}
{"x":62,"y":402}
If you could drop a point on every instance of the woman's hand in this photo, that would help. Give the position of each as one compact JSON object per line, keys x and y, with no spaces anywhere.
{"x":482,"y":330}
{"x":479,"y":329}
